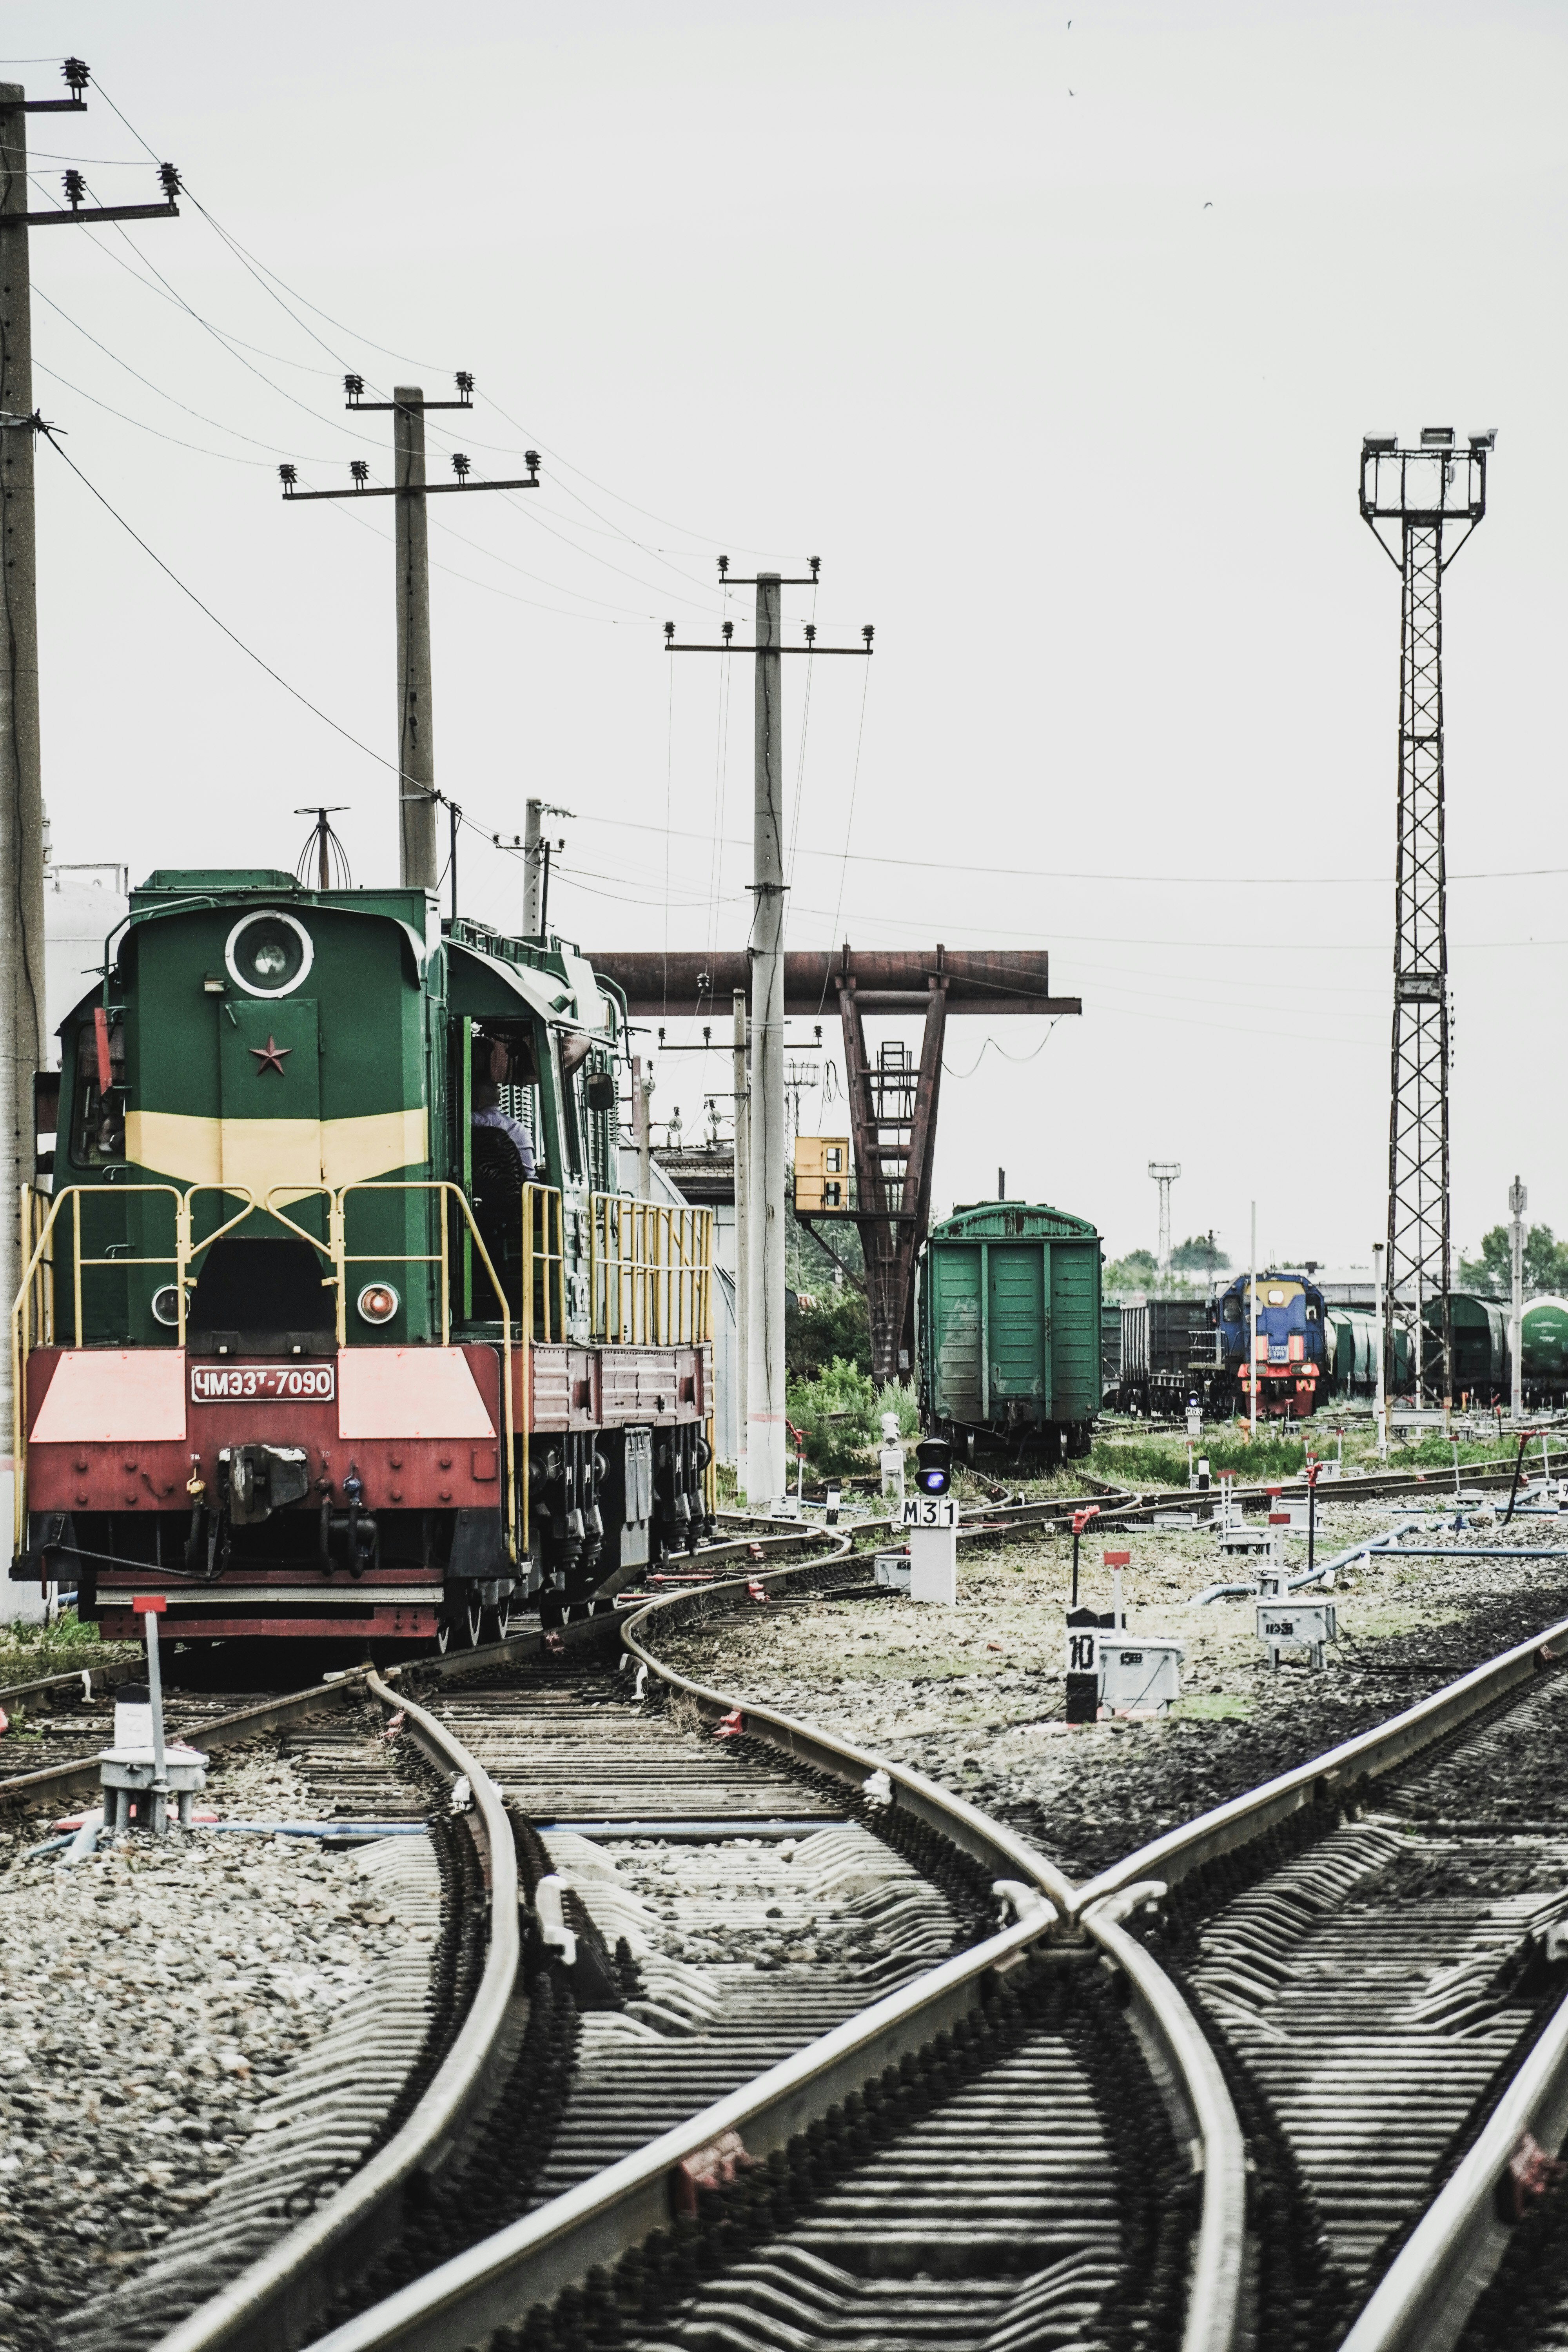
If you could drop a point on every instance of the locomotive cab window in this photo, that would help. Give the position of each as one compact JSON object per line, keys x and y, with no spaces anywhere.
{"x":1312,"y":1312}
{"x":1232,"y":1310}
{"x":97,"y":1094}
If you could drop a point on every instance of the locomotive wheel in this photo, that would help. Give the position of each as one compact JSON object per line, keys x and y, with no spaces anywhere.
{"x":443,"y":1634}
{"x":473,"y":1623}
{"x":501,"y":1618}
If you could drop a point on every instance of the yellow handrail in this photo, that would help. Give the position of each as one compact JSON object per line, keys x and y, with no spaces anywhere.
{"x":332,"y":1249}
{"x":388,"y":1257}
{"x":650,"y":1271}
{"x":21,"y":1318}
{"x":543,"y":1223}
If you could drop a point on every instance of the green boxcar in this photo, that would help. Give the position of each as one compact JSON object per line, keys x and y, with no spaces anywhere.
{"x":1010,"y":1329}
{"x":1544,"y":1349}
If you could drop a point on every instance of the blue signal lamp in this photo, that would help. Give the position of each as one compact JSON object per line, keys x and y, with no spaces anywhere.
{"x":933,"y":1465}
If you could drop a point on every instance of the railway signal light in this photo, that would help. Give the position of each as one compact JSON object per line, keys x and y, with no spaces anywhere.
{"x":933,"y":1465}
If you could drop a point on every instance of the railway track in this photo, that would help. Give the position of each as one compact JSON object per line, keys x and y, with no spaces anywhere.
{"x":805,"y":2089}
{"x":740,"y":1921}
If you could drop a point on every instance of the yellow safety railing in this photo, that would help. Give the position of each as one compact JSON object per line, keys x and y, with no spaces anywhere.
{"x":650,"y":1271}
{"x":429,"y":1257}
{"x":543,"y":1262}
{"x":37,"y":1292}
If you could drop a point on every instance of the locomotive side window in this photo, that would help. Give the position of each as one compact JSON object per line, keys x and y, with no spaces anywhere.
{"x":1232,"y":1310}
{"x":98,"y":1096}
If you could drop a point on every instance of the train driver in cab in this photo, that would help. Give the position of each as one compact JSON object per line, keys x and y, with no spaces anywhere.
{"x":494,"y":1065}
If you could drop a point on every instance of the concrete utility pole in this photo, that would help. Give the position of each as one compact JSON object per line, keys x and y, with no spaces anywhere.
{"x":23,"y":1025}
{"x":420,"y":852}
{"x":533,"y":871}
{"x":1517,"y":1201}
{"x":742,"y":1235}
{"x":765,"y":1188}
{"x":22,"y":1020}
{"x":765,"y":1428}
{"x":1164,"y":1173}
{"x":418,"y":838}
{"x":1252,"y":1322}
{"x":1383,"y":1354}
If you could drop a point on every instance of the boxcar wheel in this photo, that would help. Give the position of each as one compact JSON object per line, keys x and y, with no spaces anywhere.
{"x":443,"y":1634}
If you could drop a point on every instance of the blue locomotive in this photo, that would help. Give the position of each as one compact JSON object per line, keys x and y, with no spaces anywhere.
{"x":1293,"y":1366}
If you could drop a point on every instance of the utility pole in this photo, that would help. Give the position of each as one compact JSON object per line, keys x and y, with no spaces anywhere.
{"x":765,"y":1450}
{"x":766,"y":1431}
{"x":23,"y":1009}
{"x":743,"y":1232}
{"x":1165,"y":1172}
{"x":418,"y":834}
{"x":536,"y":868}
{"x":1385,"y":1357}
{"x":1517,"y":1201}
{"x":1421,"y":504}
{"x":1252,"y":1385}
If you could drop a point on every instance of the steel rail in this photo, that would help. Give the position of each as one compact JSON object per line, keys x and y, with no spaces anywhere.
{"x":988,"y":1841}
{"x":279,"y":2294}
{"x":492,"y":2284}
{"x":1367,"y":1756}
{"x":1213,"y":2291}
{"x":1424,"y":2297}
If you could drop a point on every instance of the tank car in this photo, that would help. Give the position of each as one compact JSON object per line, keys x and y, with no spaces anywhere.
{"x":335,"y":1321}
{"x":1010,"y":1330}
{"x":1543,"y":1350}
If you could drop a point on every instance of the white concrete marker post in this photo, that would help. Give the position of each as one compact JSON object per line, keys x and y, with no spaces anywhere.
{"x":150,"y":1610}
{"x":930,"y":1522}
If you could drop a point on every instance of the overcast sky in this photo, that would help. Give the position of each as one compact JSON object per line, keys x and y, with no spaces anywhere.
{"x":1055,"y":339}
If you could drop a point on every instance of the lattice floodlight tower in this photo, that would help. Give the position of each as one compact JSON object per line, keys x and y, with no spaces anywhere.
{"x":1423,"y":504}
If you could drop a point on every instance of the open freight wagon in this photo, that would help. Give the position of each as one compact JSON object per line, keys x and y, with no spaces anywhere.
{"x":1009,"y":1330}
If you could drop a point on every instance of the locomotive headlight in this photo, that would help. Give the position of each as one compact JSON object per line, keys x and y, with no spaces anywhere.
{"x":377,"y":1302}
{"x":166,"y":1305}
{"x":269,"y":954}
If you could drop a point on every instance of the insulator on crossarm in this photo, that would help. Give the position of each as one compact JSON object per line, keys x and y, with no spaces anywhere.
{"x":669,"y":633}
{"x":355,"y":386}
{"x":359,"y":469}
{"x":727,"y":630}
{"x":75,"y":188}
{"x":816,"y":563}
{"x":170,"y":177}
{"x":76,"y":75}
{"x":461,"y":464}
{"x":288,"y":476}
{"x":531,"y":459}
{"x":723,"y":567}
{"x":465,"y":383}
{"x":868,"y":633}
{"x":811,"y":633}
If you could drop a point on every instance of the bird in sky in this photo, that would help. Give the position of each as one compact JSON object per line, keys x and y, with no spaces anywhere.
{"x":1209,"y":205}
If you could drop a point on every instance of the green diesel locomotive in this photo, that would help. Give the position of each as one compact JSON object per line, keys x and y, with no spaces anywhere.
{"x":335,"y":1321}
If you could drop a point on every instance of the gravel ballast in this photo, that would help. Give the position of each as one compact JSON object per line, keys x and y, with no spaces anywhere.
{"x":151,"y":1999}
{"x":973,"y":1695}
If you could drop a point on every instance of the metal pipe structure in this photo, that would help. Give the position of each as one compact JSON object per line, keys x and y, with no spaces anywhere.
{"x":992,"y":984}
{"x":419,"y":853}
{"x":1381,"y":1407}
{"x":765,"y":1474}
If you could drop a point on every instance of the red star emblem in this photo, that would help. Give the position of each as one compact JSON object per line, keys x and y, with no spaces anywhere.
{"x":270,"y":1056}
